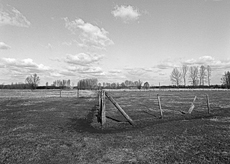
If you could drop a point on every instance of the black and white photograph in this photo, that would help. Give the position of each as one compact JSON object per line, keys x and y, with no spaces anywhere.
{"x":114,"y":81}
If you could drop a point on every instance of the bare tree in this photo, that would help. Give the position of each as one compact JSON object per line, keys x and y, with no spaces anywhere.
{"x":139,"y":84}
{"x":68,"y":83}
{"x":226,"y":79}
{"x":193,"y":74}
{"x":175,"y":77}
{"x":33,"y":81}
{"x":202,"y":74}
{"x":209,"y":74}
{"x":184,"y":73}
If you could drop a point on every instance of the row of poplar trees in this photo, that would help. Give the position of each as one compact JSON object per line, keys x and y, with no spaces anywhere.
{"x":197,"y":75}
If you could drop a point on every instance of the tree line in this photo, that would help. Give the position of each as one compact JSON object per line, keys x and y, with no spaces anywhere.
{"x":197,"y":75}
{"x":61,"y":83}
{"x":93,"y":84}
{"x":126,"y":84}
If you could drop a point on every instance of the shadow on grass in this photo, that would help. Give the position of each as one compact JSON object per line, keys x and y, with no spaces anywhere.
{"x":83,"y":125}
{"x":86,"y":124}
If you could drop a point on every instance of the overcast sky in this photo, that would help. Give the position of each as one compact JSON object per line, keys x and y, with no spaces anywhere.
{"x":112,"y":40}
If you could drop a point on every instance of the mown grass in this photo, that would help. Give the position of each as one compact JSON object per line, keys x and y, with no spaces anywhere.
{"x":65,"y":130}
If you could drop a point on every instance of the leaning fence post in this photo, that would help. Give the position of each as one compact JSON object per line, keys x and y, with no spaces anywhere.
{"x":192,"y":106}
{"x":159,"y":103}
{"x":208,"y":104}
{"x":119,"y":109}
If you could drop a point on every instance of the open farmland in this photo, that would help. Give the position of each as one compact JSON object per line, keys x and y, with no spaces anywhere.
{"x":53,"y":129}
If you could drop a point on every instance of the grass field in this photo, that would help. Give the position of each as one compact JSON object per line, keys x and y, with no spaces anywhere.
{"x":50,"y":129}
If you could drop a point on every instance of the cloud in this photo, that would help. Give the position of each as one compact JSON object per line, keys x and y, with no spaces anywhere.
{"x":26,"y":65}
{"x":55,"y":74}
{"x":91,"y":35}
{"x":89,"y":46}
{"x":49,"y":46}
{"x":204,"y":60}
{"x":82,"y":59}
{"x":94,"y":71}
{"x":115,"y":71}
{"x":126,"y":13}
{"x":67,"y":43}
{"x":162,"y":74}
{"x":13,"y":17}
{"x":167,"y":65}
{"x":4,"y":46}
{"x":85,"y":69}
{"x":208,"y":60}
{"x":17,"y":70}
{"x":138,"y":71}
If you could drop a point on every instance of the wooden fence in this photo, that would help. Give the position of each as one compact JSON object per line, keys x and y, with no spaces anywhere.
{"x":39,"y":93}
{"x":102,"y":95}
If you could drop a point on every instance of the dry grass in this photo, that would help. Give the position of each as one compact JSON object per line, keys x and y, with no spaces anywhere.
{"x":65,"y":130}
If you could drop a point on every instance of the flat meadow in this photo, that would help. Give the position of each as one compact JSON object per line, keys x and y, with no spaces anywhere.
{"x":46,"y":126}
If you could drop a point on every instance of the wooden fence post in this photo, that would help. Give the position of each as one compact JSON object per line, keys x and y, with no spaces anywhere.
{"x":208,"y":104}
{"x":120,"y":109}
{"x":192,"y":106}
{"x":99,"y":107}
{"x":159,"y":103}
{"x":103,"y":112}
{"x":99,"y":100}
{"x":78,"y":93}
{"x":60,"y":92}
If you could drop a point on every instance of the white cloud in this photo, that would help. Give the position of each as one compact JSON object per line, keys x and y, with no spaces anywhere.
{"x":167,"y":65}
{"x":23,"y":65}
{"x":17,"y":70}
{"x":55,"y":74}
{"x":126,"y":13}
{"x":110,"y":76}
{"x":4,"y":46}
{"x":82,"y":58}
{"x":205,"y":60}
{"x":162,"y":74}
{"x":49,"y":46}
{"x":13,"y":17}
{"x":67,"y":43}
{"x":138,"y":71}
{"x":91,"y":35}
{"x":85,"y":69}
{"x":89,"y":45}
{"x":115,"y":71}
{"x":208,"y":60}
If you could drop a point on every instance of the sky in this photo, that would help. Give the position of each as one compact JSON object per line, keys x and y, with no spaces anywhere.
{"x":112,"y":40}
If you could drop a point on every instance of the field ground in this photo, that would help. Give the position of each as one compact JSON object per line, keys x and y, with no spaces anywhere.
{"x":46,"y":129}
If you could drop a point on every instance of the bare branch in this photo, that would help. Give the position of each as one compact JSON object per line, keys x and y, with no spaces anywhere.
{"x":175,"y":77}
{"x":184,"y":73}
